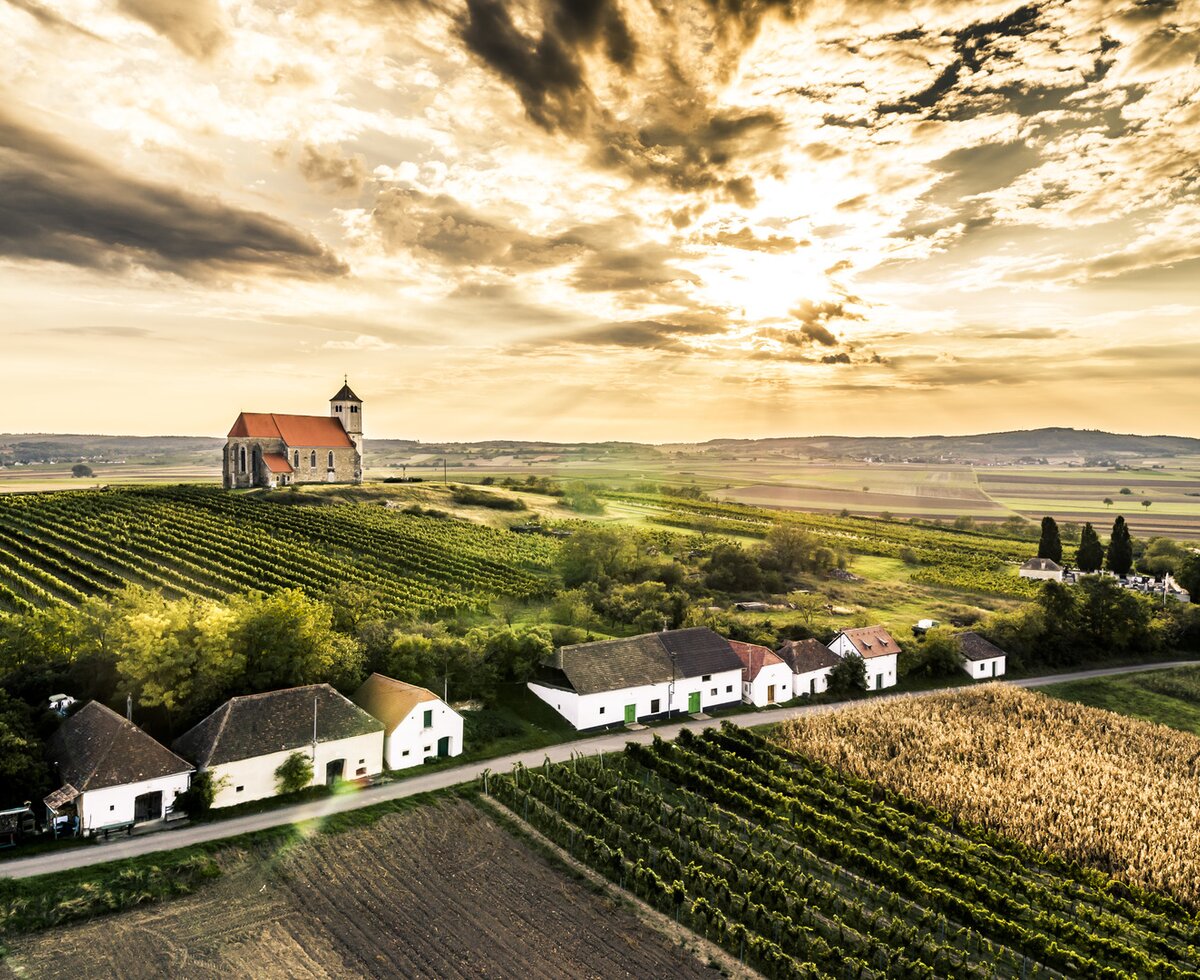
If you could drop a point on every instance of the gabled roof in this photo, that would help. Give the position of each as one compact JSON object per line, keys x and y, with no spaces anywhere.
{"x":699,"y":651}
{"x":346,"y":395}
{"x":652,"y":658}
{"x":754,"y":658}
{"x":1042,"y":565}
{"x":277,"y":463}
{"x":805,"y":656}
{"x":871,"y":641}
{"x":275,"y":721}
{"x":96,"y":748}
{"x":309,"y":431}
{"x":975,"y":647}
{"x":390,"y":700}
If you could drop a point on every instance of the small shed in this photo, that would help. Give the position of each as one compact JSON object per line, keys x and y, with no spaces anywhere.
{"x":417,"y":724}
{"x":980,"y":658}
{"x":811,"y":663}
{"x":766,"y":679}
{"x":1043,"y":569}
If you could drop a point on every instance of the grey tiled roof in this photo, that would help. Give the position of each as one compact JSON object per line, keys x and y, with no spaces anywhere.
{"x":276,"y":721}
{"x":975,"y":647}
{"x":804,"y":656}
{"x":96,"y":747}
{"x":612,"y":665}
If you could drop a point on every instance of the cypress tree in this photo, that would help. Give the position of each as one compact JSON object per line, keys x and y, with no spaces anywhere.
{"x":1050,"y":546}
{"x":1120,"y":549}
{"x":1090,"y":557}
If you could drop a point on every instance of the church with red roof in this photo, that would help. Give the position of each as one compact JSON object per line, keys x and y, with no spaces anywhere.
{"x":265,"y":449}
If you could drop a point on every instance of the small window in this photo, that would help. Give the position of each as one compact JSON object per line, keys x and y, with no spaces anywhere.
{"x":428,"y":748}
{"x":112,"y":807}
{"x":727,"y":689}
{"x":331,"y":459}
{"x":429,"y":719}
{"x":706,"y":677}
{"x":338,"y":409}
{"x":655,"y":706}
{"x":312,"y":459}
{"x":353,"y":409}
{"x":405,"y":752}
{"x":296,"y":458}
{"x":714,"y":691}
{"x":240,"y":788}
{"x":601,"y":709}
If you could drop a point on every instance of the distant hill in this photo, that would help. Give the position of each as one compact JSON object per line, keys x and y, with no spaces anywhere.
{"x":1048,"y":443}
{"x":1053,"y":444}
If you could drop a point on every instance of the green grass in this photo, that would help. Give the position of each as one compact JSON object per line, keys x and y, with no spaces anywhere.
{"x":1167,"y":697}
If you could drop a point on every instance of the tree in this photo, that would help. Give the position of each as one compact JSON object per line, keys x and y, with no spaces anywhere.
{"x":1090,"y":556}
{"x":1050,"y":545}
{"x":1125,"y":491}
{"x":1146,"y":502}
{"x":23,"y":772}
{"x":732,"y":569}
{"x":936,"y":656}
{"x":808,"y":605}
{"x":1188,"y":576}
{"x":598,"y":554}
{"x":1108,"y":501}
{"x":82,"y":470}
{"x":1119,"y":558}
{"x":1162,"y":556}
{"x":848,"y":675}
{"x":294,"y":774}
{"x":199,"y":796}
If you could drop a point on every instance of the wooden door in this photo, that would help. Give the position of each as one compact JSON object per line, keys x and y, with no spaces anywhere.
{"x":630,"y":714}
{"x":694,"y":703}
{"x":770,"y":693}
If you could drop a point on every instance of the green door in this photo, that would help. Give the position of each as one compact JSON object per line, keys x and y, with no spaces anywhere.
{"x":630,"y":714}
{"x":443,"y":746}
{"x":694,"y":703}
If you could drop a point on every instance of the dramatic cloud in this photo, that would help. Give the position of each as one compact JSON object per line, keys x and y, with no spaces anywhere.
{"x":195,"y":27}
{"x":59,"y":205}
{"x":601,"y":218}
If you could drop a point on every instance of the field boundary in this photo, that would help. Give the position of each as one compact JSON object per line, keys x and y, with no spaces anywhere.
{"x":703,"y":949}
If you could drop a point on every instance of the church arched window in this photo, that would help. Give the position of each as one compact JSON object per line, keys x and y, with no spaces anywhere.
{"x":296,"y":457}
{"x":312,"y":459}
{"x":242,"y":459}
{"x":331,"y":459}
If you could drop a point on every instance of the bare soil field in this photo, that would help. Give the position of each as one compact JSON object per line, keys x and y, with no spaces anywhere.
{"x":929,"y":502}
{"x":437,"y":892}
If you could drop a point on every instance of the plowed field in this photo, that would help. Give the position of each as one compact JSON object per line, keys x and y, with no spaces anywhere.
{"x":437,"y":892}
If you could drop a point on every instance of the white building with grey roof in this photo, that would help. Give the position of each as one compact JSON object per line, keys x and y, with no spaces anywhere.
{"x":655,"y":675}
{"x":245,"y":741}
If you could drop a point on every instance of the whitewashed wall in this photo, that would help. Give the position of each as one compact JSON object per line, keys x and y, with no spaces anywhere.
{"x":114,"y":804}
{"x":812,"y":681}
{"x":410,"y":743}
{"x":608,"y":707}
{"x":256,"y":776}
{"x":755,"y":692}
{"x":984,"y":669}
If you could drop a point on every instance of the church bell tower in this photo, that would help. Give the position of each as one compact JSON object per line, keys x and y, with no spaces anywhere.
{"x":346,"y":407}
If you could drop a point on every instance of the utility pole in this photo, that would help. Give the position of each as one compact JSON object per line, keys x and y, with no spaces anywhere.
{"x":314,"y":747}
{"x":444,"y":480}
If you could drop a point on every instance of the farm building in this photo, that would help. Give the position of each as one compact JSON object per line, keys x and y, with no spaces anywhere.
{"x":876,"y":646}
{"x":114,"y":776}
{"x":417,"y":724}
{"x":1042,"y":568}
{"x":811,"y":662}
{"x":979,"y":657}
{"x":612,"y":682}
{"x":245,"y":740}
{"x":271,"y":450}
{"x":766,"y":679}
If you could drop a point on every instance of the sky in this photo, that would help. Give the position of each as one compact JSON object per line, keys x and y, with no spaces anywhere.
{"x":601,"y":219}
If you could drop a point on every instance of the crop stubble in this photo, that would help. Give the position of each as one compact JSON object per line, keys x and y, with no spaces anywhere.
{"x":437,"y":892}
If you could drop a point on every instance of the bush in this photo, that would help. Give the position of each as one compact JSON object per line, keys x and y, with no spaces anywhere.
{"x":849,"y":675}
{"x":471,"y":497}
{"x":198,"y":797}
{"x":294,"y":773}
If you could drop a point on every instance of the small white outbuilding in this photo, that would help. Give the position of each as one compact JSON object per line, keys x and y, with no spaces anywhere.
{"x":766,"y":679}
{"x":877,"y":648}
{"x":1042,"y":569}
{"x":417,"y":724}
{"x":114,"y":776}
{"x":980,"y":658}
{"x":811,"y":663}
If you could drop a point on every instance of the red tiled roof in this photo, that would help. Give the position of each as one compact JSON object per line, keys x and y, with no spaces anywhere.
{"x":277,"y":463}
{"x":871,"y":641}
{"x":317,"y":431}
{"x":754,"y":658}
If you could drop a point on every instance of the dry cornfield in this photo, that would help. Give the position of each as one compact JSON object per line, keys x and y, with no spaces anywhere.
{"x":1114,"y":793}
